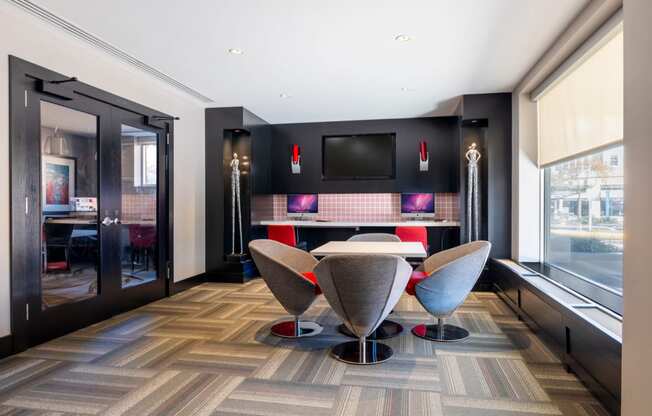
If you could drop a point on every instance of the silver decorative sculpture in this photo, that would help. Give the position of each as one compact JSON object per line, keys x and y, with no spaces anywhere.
{"x":473,"y":194}
{"x":235,"y":198}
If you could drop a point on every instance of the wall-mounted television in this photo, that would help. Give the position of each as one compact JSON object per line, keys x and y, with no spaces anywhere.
{"x":303,"y":205}
{"x":418,"y":205}
{"x":360,"y":156}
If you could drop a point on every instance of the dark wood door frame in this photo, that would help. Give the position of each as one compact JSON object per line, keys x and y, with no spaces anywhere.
{"x":26,"y":79}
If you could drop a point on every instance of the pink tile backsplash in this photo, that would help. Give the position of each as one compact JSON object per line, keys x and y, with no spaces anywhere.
{"x":354,"y":207}
{"x":139,"y":206}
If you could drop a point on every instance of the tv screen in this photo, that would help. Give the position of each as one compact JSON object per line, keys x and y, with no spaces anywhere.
{"x":303,"y":204}
{"x":418,"y":204}
{"x":363,"y":156}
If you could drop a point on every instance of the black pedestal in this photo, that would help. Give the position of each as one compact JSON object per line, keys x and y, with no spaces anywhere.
{"x":239,"y":268}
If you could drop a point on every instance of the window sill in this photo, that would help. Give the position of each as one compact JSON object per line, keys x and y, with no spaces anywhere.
{"x":603,"y":319}
{"x":602,"y":296}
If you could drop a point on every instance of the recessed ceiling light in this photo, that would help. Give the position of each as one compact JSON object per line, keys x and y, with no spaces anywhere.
{"x":236,"y":51}
{"x":284,"y":95}
{"x":403,"y":38}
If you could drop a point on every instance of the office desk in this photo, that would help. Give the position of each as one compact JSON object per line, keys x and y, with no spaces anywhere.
{"x":403,"y":249}
{"x":357,"y":224}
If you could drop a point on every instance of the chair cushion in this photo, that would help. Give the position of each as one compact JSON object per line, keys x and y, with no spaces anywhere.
{"x":310,"y":276}
{"x":415,"y":278}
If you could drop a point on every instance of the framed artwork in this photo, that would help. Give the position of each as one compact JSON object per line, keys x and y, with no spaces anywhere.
{"x":58,"y":180}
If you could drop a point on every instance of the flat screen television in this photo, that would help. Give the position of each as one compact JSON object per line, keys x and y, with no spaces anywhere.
{"x":361,"y":156}
{"x":420,"y":205}
{"x":303,"y":205}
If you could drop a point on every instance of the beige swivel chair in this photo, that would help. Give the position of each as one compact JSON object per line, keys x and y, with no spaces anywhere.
{"x":287,"y":271}
{"x":442,"y":283}
{"x":362,"y":290}
{"x":388,"y":328}
{"x":375,"y":237}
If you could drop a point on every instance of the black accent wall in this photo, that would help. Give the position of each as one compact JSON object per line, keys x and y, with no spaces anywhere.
{"x":493,"y":114}
{"x":485,"y":118}
{"x":441,"y":134}
{"x":232,"y":129}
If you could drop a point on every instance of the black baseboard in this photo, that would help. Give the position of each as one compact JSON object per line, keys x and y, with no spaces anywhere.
{"x":185,"y":284}
{"x":6,"y":346}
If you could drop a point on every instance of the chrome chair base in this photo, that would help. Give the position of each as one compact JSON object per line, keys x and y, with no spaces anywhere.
{"x":387,"y":329}
{"x":440,"y":332}
{"x":288,"y":329}
{"x":362,"y":353}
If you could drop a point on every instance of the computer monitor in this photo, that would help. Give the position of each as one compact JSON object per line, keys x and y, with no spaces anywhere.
{"x":303,"y":205}
{"x":418,"y":205}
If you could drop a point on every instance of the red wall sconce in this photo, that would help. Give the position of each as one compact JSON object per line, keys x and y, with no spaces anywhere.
{"x":424,"y":157}
{"x":295,"y":159}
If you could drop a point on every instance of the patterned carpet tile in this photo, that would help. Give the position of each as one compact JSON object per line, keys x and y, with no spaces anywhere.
{"x":82,"y":389}
{"x":193,"y":328}
{"x":226,"y":311}
{"x":126,"y":326}
{"x":496,"y":378}
{"x":466,"y":406}
{"x":176,"y":308}
{"x":203,"y":295}
{"x":401,"y":372}
{"x":176,"y":393}
{"x":73,"y":348}
{"x":209,"y":351}
{"x":532,"y":347}
{"x":268,"y":397}
{"x":231,"y":359}
{"x":366,"y":401}
{"x":314,"y":367}
{"x":16,"y":372}
{"x":147,"y":352}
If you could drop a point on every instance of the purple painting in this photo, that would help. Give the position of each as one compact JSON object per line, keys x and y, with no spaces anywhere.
{"x":417,"y":203}
{"x":303,"y":204}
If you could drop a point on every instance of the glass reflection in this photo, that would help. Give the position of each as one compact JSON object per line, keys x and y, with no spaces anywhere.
{"x":139,"y":196}
{"x":69,"y":238}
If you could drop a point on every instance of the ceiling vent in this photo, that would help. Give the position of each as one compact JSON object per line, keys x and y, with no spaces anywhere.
{"x":106,"y":47}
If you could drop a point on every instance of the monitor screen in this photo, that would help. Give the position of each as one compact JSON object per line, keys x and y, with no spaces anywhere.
{"x":362,"y":156}
{"x":303,"y":204}
{"x":418,"y":204}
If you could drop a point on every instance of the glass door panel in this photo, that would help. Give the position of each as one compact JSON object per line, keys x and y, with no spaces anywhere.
{"x":69,"y":190}
{"x":139,"y":193}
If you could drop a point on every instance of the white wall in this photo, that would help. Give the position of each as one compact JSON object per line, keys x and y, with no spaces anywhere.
{"x":526,"y":179}
{"x":637,"y":296}
{"x":30,"y":38}
{"x":526,"y":190}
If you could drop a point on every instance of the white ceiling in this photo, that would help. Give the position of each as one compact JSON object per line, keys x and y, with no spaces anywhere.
{"x":337,"y":59}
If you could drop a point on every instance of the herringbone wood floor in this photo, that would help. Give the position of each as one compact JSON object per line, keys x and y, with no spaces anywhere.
{"x":208,"y":351}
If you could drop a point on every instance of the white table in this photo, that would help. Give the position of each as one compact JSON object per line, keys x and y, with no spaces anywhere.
{"x":403,"y":249}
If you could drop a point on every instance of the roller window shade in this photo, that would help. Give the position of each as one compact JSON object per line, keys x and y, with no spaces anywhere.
{"x":583,"y":111}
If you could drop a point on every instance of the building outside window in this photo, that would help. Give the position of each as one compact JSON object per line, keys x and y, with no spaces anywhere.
{"x":583,"y":217}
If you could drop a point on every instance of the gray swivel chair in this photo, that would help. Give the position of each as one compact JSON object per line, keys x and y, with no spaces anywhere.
{"x":287,"y":271}
{"x":388,"y":328}
{"x":442,"y":283}
{"x":375,"y":237}
{"x":362,"y":290}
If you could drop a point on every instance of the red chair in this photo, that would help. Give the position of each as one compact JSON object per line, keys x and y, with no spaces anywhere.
{"x":413,"y":234}
{"x":142,"y":239}
{"x":285,"y":234}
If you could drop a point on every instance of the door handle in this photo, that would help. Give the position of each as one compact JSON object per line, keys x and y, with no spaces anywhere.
{"x":108,"y":221}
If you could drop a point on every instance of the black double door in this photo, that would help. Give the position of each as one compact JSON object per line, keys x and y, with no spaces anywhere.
{"x":92,"y":240}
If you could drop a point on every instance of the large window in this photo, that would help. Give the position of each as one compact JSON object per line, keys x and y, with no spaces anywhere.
{"x":580,"y":120}
{"x":584,"y":217}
